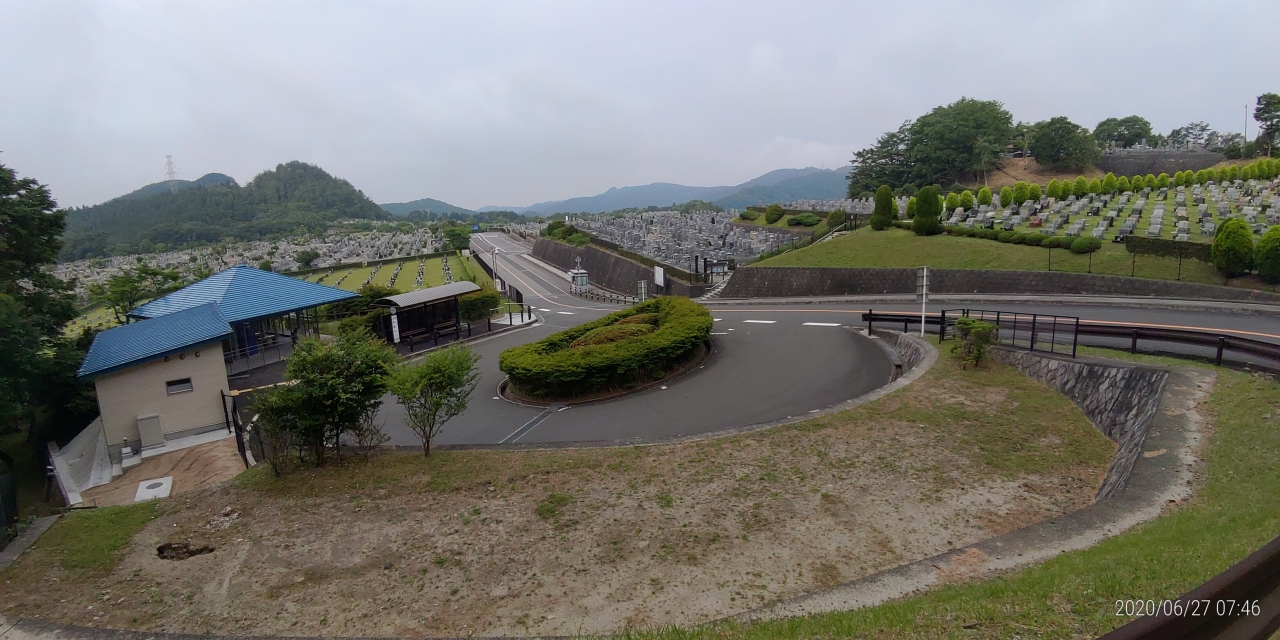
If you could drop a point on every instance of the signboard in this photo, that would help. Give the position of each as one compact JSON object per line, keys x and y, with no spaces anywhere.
{"x":497,"y":284}
{"x":658,"y":276}
{"x":395,"y":327}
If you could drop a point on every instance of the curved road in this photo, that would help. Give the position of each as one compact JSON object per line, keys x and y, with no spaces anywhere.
{"x":774,"y":360}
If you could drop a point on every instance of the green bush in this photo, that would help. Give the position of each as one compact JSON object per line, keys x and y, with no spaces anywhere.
{"x":1081,"y":186}
{"x":1036,"y":192}
{"x":991,"y":234}
{"x":911,"y":207}
{"x":640,"y":318}
{"x":1018,"y":238}
{"x":773,"y":213}
{"x":1050,"y":242}
{"x":1267,"y":256}
{"x":903,"y":224}
{"x":1034,"y":239}
{"x":1053,"y":190}
{"x":611,"y":333}
{"x":837,"y":218}
{"x":477,"y":304}
{"x":1006,"y":196}
{"x":1085,"y":245}
{"x":966,"y":199}
{"x":804,"y":219}
{"x":749,"y":216}
{"x":1233,"y":248}
{"x":951,"y":203}
{"x":926,"y":223}
{"x":882,"y":215}
{"x":549,"y":368}
{"x":984,"y":196}
{"x":1168,"y":248}
{"x":1006,"y":236}
{"x":1021,"y":192}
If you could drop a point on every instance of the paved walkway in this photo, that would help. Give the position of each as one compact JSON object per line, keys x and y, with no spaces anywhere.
{"x":24,"y":541}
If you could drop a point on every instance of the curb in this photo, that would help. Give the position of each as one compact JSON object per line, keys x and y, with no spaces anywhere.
{"x":1172,"y":304}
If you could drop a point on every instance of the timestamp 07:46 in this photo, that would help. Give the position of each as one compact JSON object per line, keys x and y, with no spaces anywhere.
{"x":1190,"y":608}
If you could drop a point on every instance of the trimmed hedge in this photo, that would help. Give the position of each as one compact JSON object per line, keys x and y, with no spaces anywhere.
{"x":1202,"y":251}
{"x":1085,"y":245}
{"x":640,"y":318}
{"x":550,"y":368}
{"x":611,"y":333}
{"x":477,"y":304}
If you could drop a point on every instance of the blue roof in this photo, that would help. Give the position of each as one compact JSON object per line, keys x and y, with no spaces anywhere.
{"x":243,"y":293}
{"x":131,"y":344}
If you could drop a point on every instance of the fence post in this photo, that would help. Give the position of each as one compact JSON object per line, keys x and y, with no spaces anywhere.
{"x":1133,"y":348}
{"x":1075,"y":338}
{"x":942,"y":325}
{"x":904,"y":323}
{"x":1222,"y":343}
{"x":1034,"y":317}
{"x":870,"y":313}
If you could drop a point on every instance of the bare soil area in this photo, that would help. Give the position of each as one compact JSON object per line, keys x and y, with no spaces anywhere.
{"x":590,"y":541}
{"x":193,"y":468}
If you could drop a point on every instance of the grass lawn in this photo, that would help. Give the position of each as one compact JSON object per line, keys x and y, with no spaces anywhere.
{"x":1072,"y":595}
{"x":902,"y":248}
{"x":782,"y":223}
{"x":661,"y":534}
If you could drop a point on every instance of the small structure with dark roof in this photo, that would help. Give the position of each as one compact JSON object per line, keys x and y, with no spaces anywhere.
{"x":424,"y":314}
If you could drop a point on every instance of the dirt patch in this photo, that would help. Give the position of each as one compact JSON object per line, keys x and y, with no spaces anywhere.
{"x":593,"y":541}
{"x":181,"y":550}
{"x":192,"y":468}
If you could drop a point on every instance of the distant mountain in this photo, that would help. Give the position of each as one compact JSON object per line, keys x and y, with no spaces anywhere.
{"x":425,"y":204}
{"x":821,"y":185}
{"x":810,"y":183}
{"x":171,"y":186}
{"x":293,"y":196}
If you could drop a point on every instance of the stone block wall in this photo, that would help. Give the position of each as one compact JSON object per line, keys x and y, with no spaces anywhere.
{"x":910,"y":350}
{"x":778,"y":282}
{"x":1156,"y":162}
{"x":609,"y":270}
{"x":1119,"y":399}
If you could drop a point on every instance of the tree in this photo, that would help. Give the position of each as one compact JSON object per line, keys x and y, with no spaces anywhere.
{"x":1021,"y":193}
{"x":124,"y":291}
{"x":1095,"y":186}
{"x":882,"y":215}
{"x":265,"y":265}
{"x":1267,"y":256}
{"x":1122,"y":183}
{"x":928,"y":205}
{"x":435,"y":390}
{"x":1062,"y":145}
{"x":1109,"y":184}
{"x":1006,"y":196}
{"x":884,"y":162}
{"x":1232,"y":251}
{"x":306,"y":257}
{"x":337,"y":384}
{"x":1053,"y":190}
{"x":966,"y":199}
{"x":973,"y":338}
{"x":1162,"y":181}
{"x":911,"y":207}
{"x":1122,"y":132}
{"x":1068,"y":188}
{"x":1195,"y":133}
{"x":1081,"y":187}
{"x":773,"y":213}
{"x":951,"y":202}
{"x":984,"y":196}
{"x":1034,"y":192}
{"x":956,"y":141}
{"x":457,"y":238}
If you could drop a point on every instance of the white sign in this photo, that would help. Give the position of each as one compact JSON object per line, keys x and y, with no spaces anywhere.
{"x":395,"y":327}
{"x":497,"y":284}
{"x":658,"y":276}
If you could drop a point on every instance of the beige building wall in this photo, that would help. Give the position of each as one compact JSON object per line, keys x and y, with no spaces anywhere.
{"x":141,"y":390}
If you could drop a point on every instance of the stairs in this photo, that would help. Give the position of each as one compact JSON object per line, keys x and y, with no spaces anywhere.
{"x":714,"y":292}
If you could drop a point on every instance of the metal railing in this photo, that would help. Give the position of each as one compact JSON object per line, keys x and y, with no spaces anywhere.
{"x":609,"y":297}
{"x":1031,"y":331}
{"x":246,"y":358}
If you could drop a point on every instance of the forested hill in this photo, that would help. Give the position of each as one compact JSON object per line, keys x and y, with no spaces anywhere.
{"x":293,"y":196}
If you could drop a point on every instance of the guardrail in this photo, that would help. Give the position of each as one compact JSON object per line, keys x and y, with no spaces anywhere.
{"x":595,"y":295}
{"x":1225,"y":347}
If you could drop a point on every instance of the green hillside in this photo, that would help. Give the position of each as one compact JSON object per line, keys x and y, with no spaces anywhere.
{"x":430,"y":205}
{"x":823,"y":185}
{"x":292,"y":197}
{"x":170,"y":186}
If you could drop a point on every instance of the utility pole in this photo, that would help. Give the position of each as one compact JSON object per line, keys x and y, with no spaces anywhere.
{"x":922,"y":294}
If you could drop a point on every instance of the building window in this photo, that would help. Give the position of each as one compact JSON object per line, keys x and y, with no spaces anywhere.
{"x":178,"y":386}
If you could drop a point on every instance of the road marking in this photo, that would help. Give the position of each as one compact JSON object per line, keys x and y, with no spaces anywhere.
{"x":528,"y":426}
{"x":719,"y":333}
{"x":761,"y":321}
{"x":543,"y":309}
{"x":822,"y":324}
{"x":565,"y":313}
{"x":717,"y":319}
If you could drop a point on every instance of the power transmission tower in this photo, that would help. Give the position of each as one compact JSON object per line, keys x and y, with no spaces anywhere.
{"x":170,"y":171}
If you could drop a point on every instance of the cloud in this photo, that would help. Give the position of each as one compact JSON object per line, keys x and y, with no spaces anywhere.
{"x":514,"y":103}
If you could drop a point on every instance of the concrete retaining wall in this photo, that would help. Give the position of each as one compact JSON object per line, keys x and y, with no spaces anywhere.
{"x":909,"y":349}
{"x":1120,"y":400}
{"x":608,"y":270}
{"x":1130,"y":163}
{"x":777,"y":282}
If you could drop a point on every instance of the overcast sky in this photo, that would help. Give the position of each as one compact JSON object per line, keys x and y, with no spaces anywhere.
{"x":479,"y":103}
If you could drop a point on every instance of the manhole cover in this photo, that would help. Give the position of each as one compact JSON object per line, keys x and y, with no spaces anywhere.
{"x":155,"y":485}
{"x":181,"y":550}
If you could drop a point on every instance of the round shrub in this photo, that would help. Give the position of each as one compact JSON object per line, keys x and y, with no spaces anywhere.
{"x":773,"y":213}
{"x":551,"y":368}
{"x":1018,"y":238}
{"x":1233,"y":248}
{"x":805,"y":219}
{"x":749,"y":216}
{"x":1050,"y":242}
{"x":1085,"y":245}
{"x":611,"y":333}
{"x":989,"y":234}
{"x":1005,"y":236}
{"x":1267,"y":256}
{"x":1033,"y":239}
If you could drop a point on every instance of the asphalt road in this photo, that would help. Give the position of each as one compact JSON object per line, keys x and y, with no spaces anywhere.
{"x":767,"y":365}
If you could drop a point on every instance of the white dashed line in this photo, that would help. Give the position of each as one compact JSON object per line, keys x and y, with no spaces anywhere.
{"x":565,"y":313}
{"x":822,"y":324}
{"x":719,"y":333}
{"x":760,"y":321}
{"x":717,"y":319}
{"x":543,"y":309}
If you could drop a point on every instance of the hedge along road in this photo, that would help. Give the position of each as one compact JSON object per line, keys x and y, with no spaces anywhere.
{"x":767,"y":367}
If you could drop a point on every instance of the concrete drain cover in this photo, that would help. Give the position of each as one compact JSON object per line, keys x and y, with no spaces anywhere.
{"x":181,"y":550}
{"x":153,"y":489}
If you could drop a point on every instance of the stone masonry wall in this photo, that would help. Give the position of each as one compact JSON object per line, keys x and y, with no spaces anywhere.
{"x":910,"y":351}
{"x":1119,"y":399}
{"x":1157,"y":162}
{"x":608,"y":270}
{"x":777,"y":282}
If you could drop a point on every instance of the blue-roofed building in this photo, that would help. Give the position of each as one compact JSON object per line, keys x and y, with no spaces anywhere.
{"x":161,"y":385}
{"x":267,"y":311}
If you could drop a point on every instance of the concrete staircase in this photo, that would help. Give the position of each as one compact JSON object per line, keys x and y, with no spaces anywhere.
{"x":714,"y":292}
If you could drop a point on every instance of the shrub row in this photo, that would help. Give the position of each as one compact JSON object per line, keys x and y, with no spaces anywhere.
{"x":1168,"y":248}
{"x":550,"y":368}
{"x":477,"y":304}
{"x":1076,"y":245}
